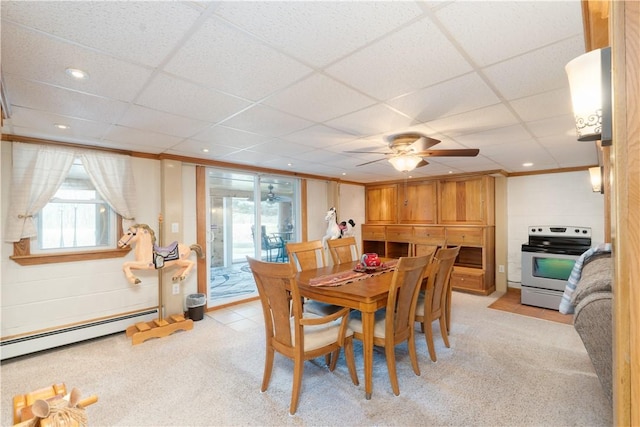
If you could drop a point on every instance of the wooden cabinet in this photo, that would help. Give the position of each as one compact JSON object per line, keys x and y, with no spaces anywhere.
{"x":468,"y":200}
{"x":418,"y":203}
{"x":434,"y":235}
{"x":381,"y":204}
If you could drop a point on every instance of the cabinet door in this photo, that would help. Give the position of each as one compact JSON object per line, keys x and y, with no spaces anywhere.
{"x":381,"y":205}
{"x":466,"y":201}
{"x":417,"y":203}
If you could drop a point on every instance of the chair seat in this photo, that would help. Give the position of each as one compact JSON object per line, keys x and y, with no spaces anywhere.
{"x":316,"y":336}
{"x":320,"y":308}
{"x":355,"y":322}
{"x":420,"y":304}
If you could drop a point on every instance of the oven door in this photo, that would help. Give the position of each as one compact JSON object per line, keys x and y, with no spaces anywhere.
{"x":547,"y":270}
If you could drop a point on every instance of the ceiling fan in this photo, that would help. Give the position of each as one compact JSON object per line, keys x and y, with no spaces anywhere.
{"x":409,"y":149}
{"x":271,"y":196}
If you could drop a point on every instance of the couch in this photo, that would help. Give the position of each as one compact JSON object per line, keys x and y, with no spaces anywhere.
{"x":592,"y":299}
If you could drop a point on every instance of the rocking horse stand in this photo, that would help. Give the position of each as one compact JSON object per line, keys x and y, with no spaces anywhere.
{"x":160,"y":327}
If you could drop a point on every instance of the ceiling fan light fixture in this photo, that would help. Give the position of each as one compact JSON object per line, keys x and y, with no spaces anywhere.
{"x":405,"y":163}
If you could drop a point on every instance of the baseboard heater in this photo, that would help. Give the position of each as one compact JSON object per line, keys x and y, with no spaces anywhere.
{"x":46,"y":340}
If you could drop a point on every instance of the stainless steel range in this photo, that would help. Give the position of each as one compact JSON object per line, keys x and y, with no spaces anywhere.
{"x":547,"y":260}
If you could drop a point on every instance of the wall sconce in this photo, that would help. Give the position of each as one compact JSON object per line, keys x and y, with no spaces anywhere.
{"x":405,"y":163}
{"x":596,"y":173}
{"x":590,"y":85}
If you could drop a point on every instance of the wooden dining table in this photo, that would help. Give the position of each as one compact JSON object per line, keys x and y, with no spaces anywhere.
{"x":364,"y":294}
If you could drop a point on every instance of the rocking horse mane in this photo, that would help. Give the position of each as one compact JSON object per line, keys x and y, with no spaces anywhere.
{"x":149,"y":229}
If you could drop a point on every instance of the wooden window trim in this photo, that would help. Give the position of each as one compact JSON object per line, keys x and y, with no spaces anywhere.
{"x":23,"y":256}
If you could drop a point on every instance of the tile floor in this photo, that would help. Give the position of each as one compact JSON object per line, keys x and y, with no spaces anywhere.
{"x":240,"y":317}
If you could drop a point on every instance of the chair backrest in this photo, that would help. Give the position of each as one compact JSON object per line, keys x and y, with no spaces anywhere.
{"x":278,"y":288}
{"x":343,"y":250}
{"x":420,"y":248}
{"x":306,"y":255}
{"x":438,"y":280}
{"x":403,"y":295}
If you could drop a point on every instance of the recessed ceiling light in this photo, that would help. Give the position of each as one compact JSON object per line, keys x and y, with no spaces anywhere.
{"x":289,"y":164}
{"x":527,"y":165}
{"x":205,"y":150}
{"x":61,"y":126}
{"x":77,"y":74}
{"x":344,"y":173}
{"x":450,"y":171}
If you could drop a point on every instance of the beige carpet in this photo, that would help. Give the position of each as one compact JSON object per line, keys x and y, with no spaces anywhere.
{"x":502,"y":369}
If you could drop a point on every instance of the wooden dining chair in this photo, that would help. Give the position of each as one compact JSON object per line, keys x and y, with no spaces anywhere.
{"x":394,"y":325}
{"x":432,"y":303}
{"x":301,"y":336}
{"x":343,"y":250}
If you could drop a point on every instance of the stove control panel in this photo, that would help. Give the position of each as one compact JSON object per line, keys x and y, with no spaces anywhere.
{"x":559,"y":230}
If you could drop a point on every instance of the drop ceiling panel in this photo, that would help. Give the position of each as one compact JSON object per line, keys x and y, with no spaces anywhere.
{"x":495,"y":116}
{"x":34,"y":56}
{"x":61,"y":101}
{"x":83,"y":130}
{"x":535,"y":72}
{"x":267,"y":121}
{"x":458,"y":95}
{"x":402,"y":62}
{"x":372,"y":120}
{"x":125,"y":135}
{"x":173,"y":95}
{"x":321,"y":136}
{"x":230,"y":60}
{"x":110,"y":26}
{"x":157,"y":121}
{"x":508,"y":29}
{"x":230,"y":137}
{"x":319,"y":98}
{"x":318,"y":32}
{"x":545,"y":105}
{"x":497,"y":136}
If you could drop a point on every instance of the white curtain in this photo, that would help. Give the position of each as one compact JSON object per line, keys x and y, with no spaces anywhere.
{"x":112,"y":176}
{"x":38,"y":171}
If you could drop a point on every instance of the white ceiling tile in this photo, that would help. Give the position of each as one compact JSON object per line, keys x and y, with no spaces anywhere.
{"x":376,"y":119}
{"x":44,"y":122}
{"x":64,"y":102}
{"x":493,"y":31}
{"x":415,"y":57}
{"x":544,"y":105}
{"x":157,"y":121}
{"x":110,"y":26}
{"x":32,"y":55}
{"x":127,"y":135}
{"x":229,"y":60}
{"x":193,"y":148}
{"x":230,"y":137}
{"x":319,"y":98}
{"x":560,"y":125}
{"x":279,"y":146}
{"x":538,"y":71}
{"x":570,"y":152}
{"x":319,"y":136}
{"x":183,"y":98}
{"x":458,"y":95}
{"x":496,"y":136}
{"x":267,"y":121}
{"x":318,"y":32}
{"x":479,"y":120}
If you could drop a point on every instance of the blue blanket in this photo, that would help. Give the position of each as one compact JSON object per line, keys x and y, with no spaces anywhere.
{"x":566,"y":306}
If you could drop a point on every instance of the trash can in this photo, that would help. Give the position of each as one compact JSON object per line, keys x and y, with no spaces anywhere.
{"x":195,"y":305}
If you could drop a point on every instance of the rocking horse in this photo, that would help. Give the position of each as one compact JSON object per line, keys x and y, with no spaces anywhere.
{"x":335,"y":230}
{"x":150,"y":256}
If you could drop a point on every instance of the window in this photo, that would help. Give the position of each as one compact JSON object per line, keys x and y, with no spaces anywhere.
{"x":76,"y":217}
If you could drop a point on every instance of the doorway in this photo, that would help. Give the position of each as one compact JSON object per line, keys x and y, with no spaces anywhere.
{"x":249,"y":215}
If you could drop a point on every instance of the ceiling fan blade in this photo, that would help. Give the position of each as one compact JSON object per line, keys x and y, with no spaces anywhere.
{"x":367,"y":152}
{"x":423,"y":162}
{"x":463,"y":152}
{"x":423,"y":144}
{"x":372,"y":161}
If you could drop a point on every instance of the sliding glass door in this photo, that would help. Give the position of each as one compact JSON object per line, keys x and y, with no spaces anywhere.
{"x":249,"y":215}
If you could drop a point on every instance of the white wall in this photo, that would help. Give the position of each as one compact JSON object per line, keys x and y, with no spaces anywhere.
{"x":50,"y":295}
{"x":551,"y":199}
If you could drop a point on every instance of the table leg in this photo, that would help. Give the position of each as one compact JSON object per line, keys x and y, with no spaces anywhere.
{"x":368,"y":319}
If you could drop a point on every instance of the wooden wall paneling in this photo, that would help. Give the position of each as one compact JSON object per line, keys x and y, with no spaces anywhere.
{"x":625,"y":208}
